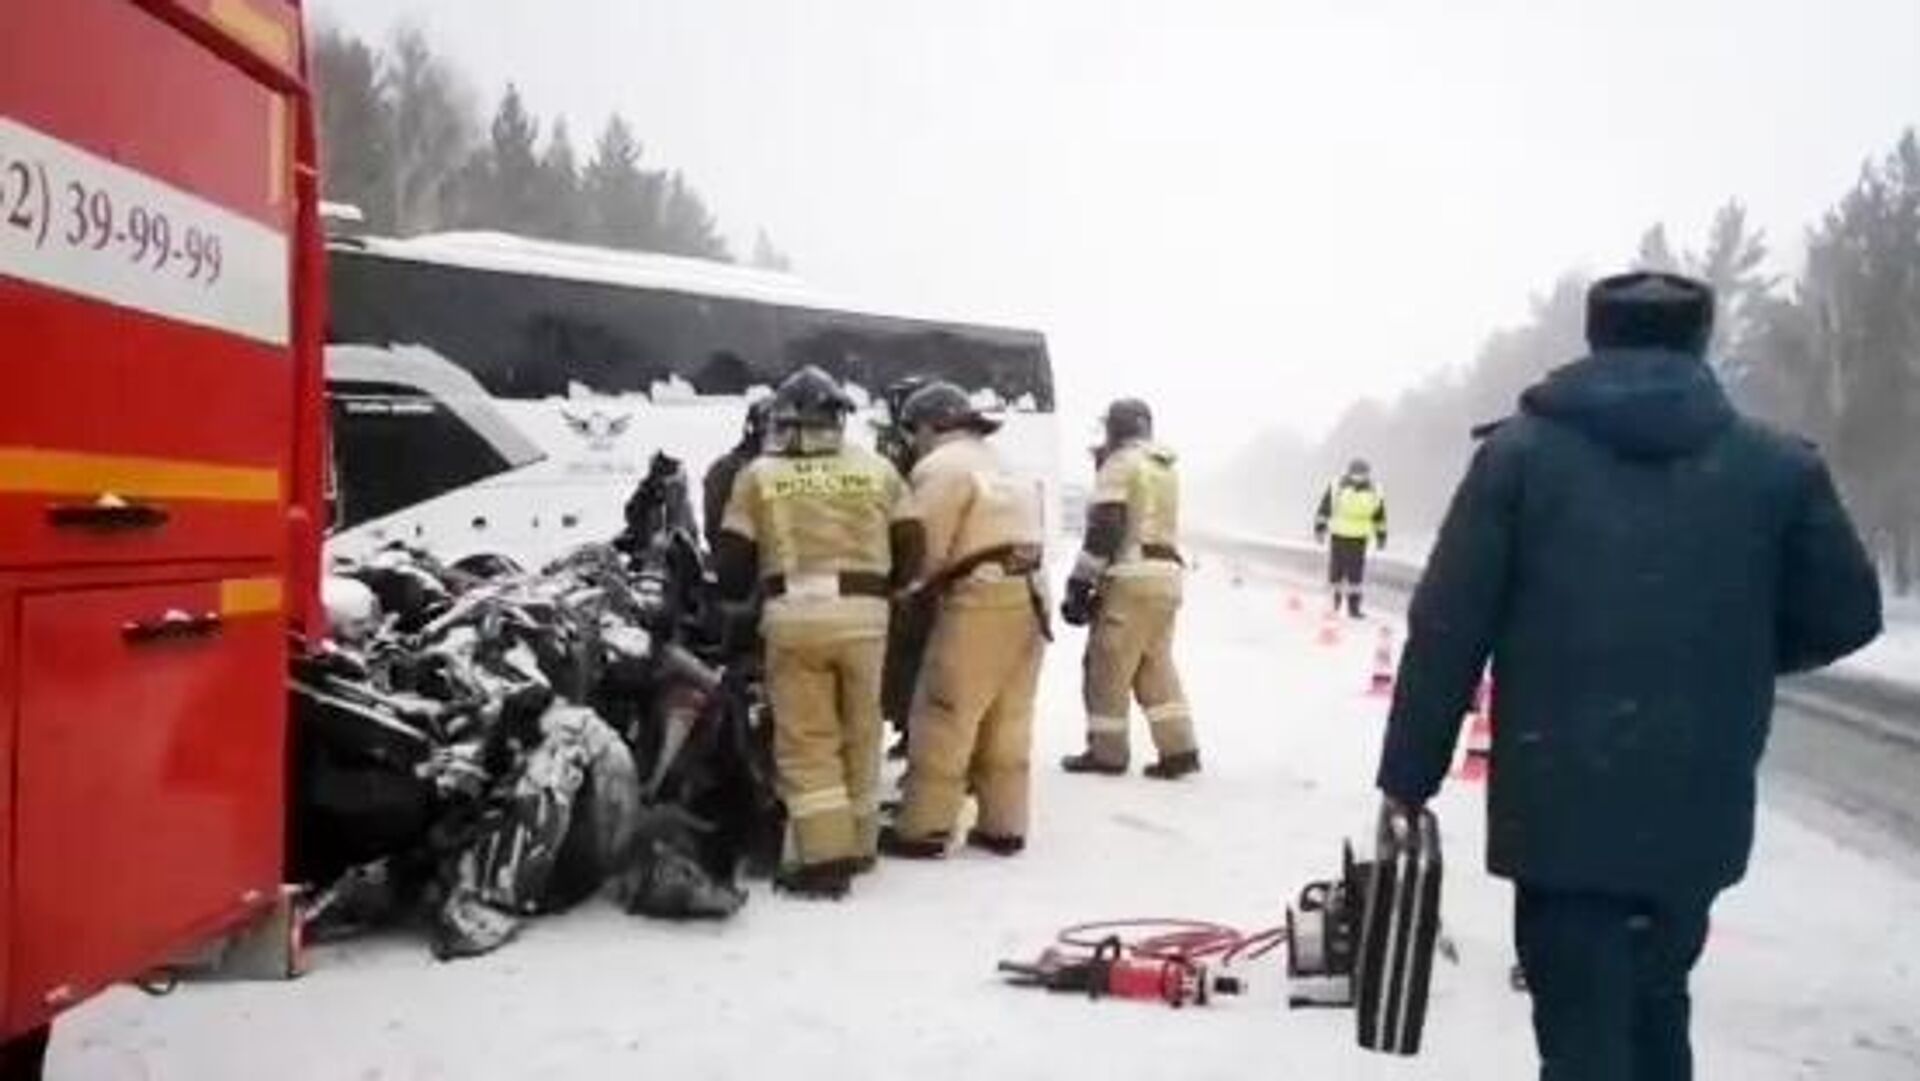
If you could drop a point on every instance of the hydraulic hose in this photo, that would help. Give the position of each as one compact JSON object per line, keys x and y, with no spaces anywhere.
{"x":1175,"y":939}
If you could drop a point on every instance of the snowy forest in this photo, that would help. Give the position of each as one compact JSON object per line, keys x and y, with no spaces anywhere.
{"x":404,"y":139}
{"x":1832,"y":352}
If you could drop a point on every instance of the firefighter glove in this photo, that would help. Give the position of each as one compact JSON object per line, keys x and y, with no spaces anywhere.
{"x":1078,"y":607}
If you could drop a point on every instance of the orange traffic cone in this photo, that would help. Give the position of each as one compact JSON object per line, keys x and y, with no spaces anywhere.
{"x":1329,"y":630}
{"x":1381,"y":683}
{"x":1476,"y":760}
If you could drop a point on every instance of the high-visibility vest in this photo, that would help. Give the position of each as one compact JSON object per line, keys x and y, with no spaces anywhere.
{"x":1355,"y":511}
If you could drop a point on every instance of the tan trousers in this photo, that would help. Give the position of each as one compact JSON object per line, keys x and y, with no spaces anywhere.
{"x":825,"y":688}
{"x":1130,"y":656}
{"x":972,"y":720}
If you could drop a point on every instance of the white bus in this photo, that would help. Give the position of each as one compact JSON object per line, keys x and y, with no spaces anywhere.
{"x":499,"y":396}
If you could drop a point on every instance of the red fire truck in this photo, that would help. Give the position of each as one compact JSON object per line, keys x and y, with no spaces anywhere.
{"x":160,"y":477}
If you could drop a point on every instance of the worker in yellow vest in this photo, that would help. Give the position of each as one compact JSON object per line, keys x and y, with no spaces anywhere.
{"x":1353,"y":512}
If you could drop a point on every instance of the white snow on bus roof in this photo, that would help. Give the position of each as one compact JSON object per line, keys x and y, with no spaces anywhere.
{"x":509,"y":254}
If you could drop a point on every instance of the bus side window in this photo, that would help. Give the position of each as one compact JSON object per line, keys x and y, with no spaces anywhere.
{"x":375,"y":427}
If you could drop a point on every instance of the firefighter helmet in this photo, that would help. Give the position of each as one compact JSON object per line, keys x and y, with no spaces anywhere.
{"x":944,"y":407}
{"x":1128,"y":418}
{"x":810,"y":398}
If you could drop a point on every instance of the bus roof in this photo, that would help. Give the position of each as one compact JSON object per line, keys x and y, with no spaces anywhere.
{"x":509,"y":254}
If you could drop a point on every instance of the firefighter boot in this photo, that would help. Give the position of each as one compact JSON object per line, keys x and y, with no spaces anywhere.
{"x":894,"y":843}
{"x":1172,"y":767}
{"x":996,"y":843}
{"x":828,"y":881}
{"x":1087,"y":762}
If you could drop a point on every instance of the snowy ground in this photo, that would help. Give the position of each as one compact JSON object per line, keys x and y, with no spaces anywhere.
{"x":1896,"y":655}
{"x":1813,"y":970}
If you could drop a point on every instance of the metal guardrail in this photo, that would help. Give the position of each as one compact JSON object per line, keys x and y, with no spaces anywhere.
{"x":1383,"y":568}
{"x":1877,"y":707}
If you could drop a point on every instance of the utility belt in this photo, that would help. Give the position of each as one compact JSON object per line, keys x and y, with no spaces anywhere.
{"x":829,"y":586}
{"x":991,"y":565}
{"x":1162,"y":553}
{"x":999,"y":564}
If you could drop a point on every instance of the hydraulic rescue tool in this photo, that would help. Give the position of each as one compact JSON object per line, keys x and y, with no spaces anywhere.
{"x":1168,"y":966}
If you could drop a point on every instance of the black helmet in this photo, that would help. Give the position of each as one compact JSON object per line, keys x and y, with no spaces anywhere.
{"x":809,"y":398}
{"x":897,"y":393}
{"x":944,"y":407}
{"x":1128,"y":418}
{"x":1650,"y":310}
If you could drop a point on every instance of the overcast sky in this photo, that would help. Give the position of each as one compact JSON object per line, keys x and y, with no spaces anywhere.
{"x":1248,"y":212}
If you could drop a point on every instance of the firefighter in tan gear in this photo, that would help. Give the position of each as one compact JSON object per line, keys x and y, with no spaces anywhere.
{"x":972,"y":721}
{"x":1127,"y":584}
{"x":822,"y":528}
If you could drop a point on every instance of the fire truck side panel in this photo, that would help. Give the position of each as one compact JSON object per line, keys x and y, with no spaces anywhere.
{"x":187,"y":421}
{"x":150,"y":221}
{"x":122,"y":84}
{"x":149,"y":788}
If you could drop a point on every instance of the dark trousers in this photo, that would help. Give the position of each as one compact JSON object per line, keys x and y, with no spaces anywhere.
{"x":1608,"y":977}
{"x":1347,"y":561}
{"x":907,"y":634}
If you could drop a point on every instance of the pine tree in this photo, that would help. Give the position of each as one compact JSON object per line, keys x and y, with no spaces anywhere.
{"x":356,"y":128}
{"x":516,"y":175}
{"x":622,"y":202}
{"x":1732,"y":265}
{"x":768,"y":257}
{"x":501,"y":185}
{"x":560,"y":201}
{"x":1655,"y":253}
{"x":687,"y":226}
{"x":432,"y":132}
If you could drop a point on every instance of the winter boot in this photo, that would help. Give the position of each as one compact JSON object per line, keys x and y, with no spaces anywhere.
{"x":1085,"y":762}
{"x":892,"y":843}
{"x":1174,"y":766}
{"x":1000,"y":844}
{"x":826,"y":881}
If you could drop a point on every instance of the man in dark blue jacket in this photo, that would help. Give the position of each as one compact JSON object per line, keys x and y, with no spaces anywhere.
{"x":1639,"y":562}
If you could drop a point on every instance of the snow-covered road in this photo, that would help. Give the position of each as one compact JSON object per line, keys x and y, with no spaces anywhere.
{"x":1813,"y":970}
